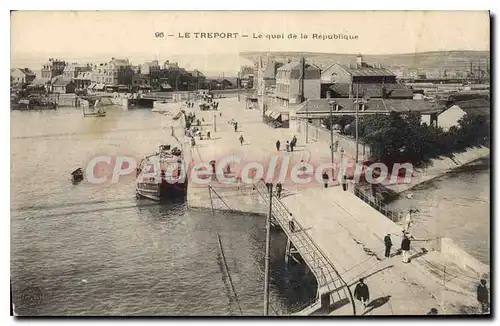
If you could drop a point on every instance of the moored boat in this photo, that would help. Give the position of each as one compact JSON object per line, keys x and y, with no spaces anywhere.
{"x":94,"y":110}
{"x":162,"y":176}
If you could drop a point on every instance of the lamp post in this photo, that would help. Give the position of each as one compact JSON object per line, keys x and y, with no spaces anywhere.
{"x":341,"y":161}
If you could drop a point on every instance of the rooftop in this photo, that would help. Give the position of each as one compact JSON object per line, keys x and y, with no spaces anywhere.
{"x":376,"y":105}
{"x":394,"y":90}
{"x":60,"y":81}
{"x":357,"y":71}
{"x":297,"y":66}
{"x":480,"y":106}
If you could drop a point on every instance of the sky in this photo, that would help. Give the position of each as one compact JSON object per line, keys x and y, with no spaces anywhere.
{"x":98,"y":36}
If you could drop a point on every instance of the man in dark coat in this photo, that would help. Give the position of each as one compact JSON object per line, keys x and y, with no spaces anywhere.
{"x":361,"y":292}
{"x":405,"y":247}
{"x":325,"y":179}
{"x":344,"y":183}
{"x":388,"y":245}
{"x":433,"y":312}
{"x":483,"y":296}
{"x":278,"y":144}
{"x":279,"y":188}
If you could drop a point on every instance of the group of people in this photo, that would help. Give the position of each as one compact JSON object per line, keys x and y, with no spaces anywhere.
{"x":405,"y":246}
{"x":290,"y":145}
{"x":190,"y":104}
{"x":362,"y":293}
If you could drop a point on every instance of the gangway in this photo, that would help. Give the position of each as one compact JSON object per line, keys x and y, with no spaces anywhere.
{"x":329,"y":280}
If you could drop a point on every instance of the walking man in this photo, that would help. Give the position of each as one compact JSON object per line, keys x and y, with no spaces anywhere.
{"x":362,"y":293}
{"x":388,"y":245}
{"x":287,"y":146}
{"x":291,"y":223}
{"x":405,"y":247}
{"x":483,"y":296}
{"x":279,"y":188}
{"x":241,"y":140}
{"x":325,"y":179}
{"x":344,"y":183}
{"x":278,"y":144}
{"x":433,"y":312}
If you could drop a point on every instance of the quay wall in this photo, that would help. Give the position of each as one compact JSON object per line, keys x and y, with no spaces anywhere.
{"x":70,"y":100}
{"x":242,"y":199}
{"x":460,"y":257}
{"x":440,"y":166}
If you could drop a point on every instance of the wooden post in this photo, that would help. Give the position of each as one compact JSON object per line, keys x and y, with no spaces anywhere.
{"x":287,"y":251}
{"x":268,"y":240}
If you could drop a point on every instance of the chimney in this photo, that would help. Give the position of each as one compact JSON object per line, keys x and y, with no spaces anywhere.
{"x":359,"y":60}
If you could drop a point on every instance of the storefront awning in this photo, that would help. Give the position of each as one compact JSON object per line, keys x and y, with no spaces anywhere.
{"x":92,"y":86}
{"x":166,"y":86}
{"x":99,"y":87}
{"x":268,"y":113}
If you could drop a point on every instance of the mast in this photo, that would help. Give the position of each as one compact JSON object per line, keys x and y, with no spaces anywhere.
{"x":267,"y":258}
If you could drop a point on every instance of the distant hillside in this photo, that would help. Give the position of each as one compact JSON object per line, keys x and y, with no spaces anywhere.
{"x":424,"y":60}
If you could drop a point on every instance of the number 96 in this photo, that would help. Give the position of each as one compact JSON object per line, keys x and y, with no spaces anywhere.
{"x":159,"y":34}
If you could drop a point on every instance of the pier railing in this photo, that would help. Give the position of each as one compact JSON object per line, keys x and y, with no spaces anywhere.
{"x":216,"y":201}
{"x":377,"y":204}
{"x":328,"y":278}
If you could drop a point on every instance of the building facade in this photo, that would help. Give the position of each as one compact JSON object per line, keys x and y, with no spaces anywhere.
{"x":53,"y":68}
{"x":289,"y":83}
{"x":21,"y":76}
{"x":152,"y":69}
{"x":72,"y":70}
{"x":83,"y":79}
{"x":63,"y":85}
{"x":113,"y":73}
{"x":357,"y":73}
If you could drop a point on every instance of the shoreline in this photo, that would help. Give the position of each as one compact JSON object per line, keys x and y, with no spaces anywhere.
{"x":438,"y":168}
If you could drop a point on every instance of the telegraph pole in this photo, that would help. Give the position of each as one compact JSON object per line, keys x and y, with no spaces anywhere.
{"x":302,"y":77}
{"x":268,"y":241}
{"x":357,"y":122}
{"x":307,"y":122}
{"x":238,"y":83}
{"x":331,"y":138}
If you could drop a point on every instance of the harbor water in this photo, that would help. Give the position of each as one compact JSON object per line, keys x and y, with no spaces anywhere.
{"x":455,"y":205}
{"x":97,"y":250}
